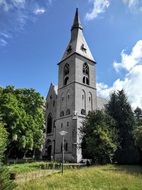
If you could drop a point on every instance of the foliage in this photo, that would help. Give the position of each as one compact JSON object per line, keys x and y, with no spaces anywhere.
{"x":23,"y":114}
{"x":138,"y":136}
{"x":119,"y":108}
{"x":5,"y":183}
{"x":138,"y":112}
{"x":138,"y":115}
{"x":3,"y":140}
{"x":100,"y":137}
{"x":108,"y":177}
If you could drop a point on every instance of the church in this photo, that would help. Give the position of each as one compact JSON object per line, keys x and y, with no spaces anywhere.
{"x":68,"y":104}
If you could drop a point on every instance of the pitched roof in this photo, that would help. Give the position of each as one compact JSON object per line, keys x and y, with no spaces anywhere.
{"x":77,"y":42}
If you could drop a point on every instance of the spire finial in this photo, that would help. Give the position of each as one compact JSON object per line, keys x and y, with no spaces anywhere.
{"x":76,"y":23}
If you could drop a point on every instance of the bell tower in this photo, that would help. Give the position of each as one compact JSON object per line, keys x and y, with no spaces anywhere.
{"x":76,"y":92}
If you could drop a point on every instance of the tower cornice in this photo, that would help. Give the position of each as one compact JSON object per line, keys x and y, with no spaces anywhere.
{"x":93,"y":61}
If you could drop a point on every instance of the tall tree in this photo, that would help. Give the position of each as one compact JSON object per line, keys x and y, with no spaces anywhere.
{"x":99,"y":137}
{"x":22,"y":111}
{"x":119,"y":108}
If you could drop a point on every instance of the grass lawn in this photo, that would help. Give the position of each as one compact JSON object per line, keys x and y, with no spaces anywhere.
{"x":108,"y":177}
{"x":25,"y":167}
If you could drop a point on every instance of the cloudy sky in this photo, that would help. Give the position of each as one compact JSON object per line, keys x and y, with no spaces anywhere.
{"x":34,"y":35}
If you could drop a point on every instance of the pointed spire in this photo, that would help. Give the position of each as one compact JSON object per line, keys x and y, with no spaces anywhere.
{"x":76,"y":23}
{"x":77,"y":43}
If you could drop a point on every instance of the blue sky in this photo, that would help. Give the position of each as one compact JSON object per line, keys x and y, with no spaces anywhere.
{"x":35,"y":33}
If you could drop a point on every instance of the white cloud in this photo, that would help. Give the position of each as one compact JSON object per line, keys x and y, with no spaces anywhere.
{"x":132,"y":81}
{"x":99,"y":6}
{"x":131,"y":60}
{"x":135,"y":5}
{"x":39,"y":11}
{"x":3,"y":42}
{"x":7,"y":6}
{"x":16,"y":13}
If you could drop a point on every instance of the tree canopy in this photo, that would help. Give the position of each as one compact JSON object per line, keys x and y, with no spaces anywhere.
{"x":119,"y":108}
{"x":99,"y":137}
{"x":22,"y":111}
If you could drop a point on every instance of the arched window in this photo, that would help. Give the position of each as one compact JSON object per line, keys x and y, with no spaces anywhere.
{"x":68,"y":112}
{"x":85,"y":69}
{"x":90,"y":102}
{"x":84,"y":80}
{"x":62,"y":114}
{"x":65,"y":146}
{"x":83,"y":112}
{"x":87,"y":80}
{"x":53,"y":103}
{"x":66,"y":69}
{"x":66,"y":73}
{"x":49,"y":123}
{"x":54,"y":124}
{"x":66,"y":80}
{"x":85,"y":73}
{"x":83,"y":100}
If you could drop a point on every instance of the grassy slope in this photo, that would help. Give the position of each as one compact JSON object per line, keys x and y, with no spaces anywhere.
{"x":94,"y":178}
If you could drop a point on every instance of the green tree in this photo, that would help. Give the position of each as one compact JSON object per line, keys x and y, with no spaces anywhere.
{"x":119,"y":108}
{"x":138,"y":136}
{"x":138,"y":115}
{"x":3,"y":140}
{"x":5,"y":182}
{"x":99,"y":137}
{"x":22,"y":111}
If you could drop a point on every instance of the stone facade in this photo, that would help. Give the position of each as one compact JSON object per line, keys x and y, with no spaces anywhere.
{"x":67,"y":107}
